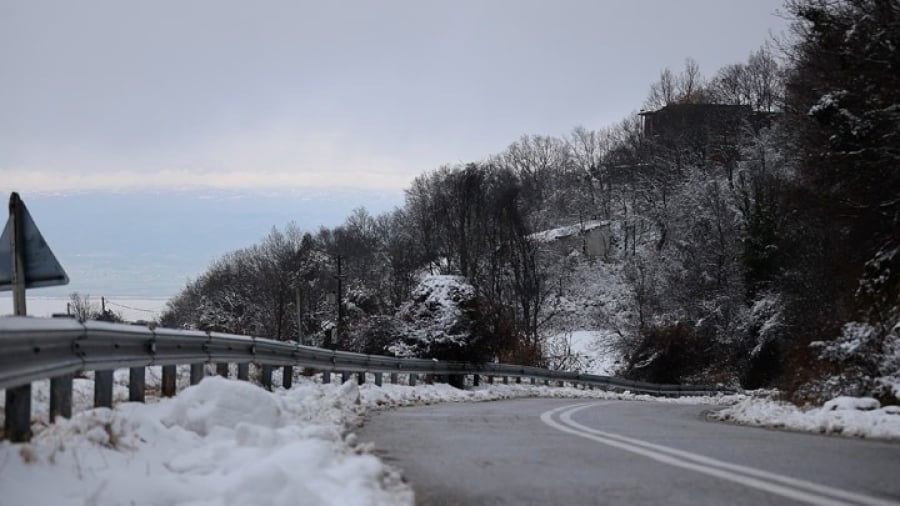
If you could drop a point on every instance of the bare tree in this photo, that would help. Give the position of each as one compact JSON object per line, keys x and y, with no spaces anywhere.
{"x":690,"y":86}
{"x":81,"y":307}
{"x":663,"y":92}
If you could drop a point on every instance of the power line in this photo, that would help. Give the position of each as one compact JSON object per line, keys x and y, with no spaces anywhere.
{"x":131,"y":308}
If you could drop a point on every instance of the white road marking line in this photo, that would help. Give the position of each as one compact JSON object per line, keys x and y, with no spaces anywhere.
{"x":750,"y":477}
{"x":795,"y":482}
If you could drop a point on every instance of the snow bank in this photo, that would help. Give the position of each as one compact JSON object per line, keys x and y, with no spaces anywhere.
{"x":220,"y":442}
{"x":849,"y":416}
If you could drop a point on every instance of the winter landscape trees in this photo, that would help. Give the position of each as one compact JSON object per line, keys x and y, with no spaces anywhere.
{"x":750,"y":223}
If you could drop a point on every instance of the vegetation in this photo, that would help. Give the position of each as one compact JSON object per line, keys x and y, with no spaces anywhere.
{"x":753,"y":219}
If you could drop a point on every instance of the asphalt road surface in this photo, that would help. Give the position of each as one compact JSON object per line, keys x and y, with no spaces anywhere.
{"x":571,"y":452}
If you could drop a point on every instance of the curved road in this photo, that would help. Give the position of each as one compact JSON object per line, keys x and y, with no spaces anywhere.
{"x":570,"y":452}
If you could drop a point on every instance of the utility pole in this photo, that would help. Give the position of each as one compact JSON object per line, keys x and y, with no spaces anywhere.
{"x":340,"y":300}
{"x":299,"y":314}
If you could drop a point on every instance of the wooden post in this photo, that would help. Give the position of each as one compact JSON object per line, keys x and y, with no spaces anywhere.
{"x":395,"y":378}
{"x":103,"y":389}
{"x":17,"y":423}
{"x":136,"y":384}
{"x":287,"y":377}
{"x":361,"y":377}
{"x":168,"y":380}
{"x":345,"y":376}
{"x":266,"y":379}
{"x":457,"y":381}
{"x":61,"y":397}
{"x":378,"y":379}
{"x":412,"y":379}
{"x":326,"y":377}
{"x":476,"y":380}
{"x":222,"y":369}
{"x":197,"y":373}
{"x":518,"y":380}
{"x":244,"y":371}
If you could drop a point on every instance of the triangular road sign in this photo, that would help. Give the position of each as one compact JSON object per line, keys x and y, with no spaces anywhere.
{"x":41,"y":266}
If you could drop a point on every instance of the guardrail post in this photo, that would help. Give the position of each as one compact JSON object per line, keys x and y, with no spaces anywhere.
{"x":412,"y":379}
{"x":345,"y":376}
{"x":17,"y":424}
{"x":506,"y":380}
{"x":61,"y":396}
{"x":533,"y":381}
{"x":378,"y":379}
{"x":547,"y":382}
{"x":395,"y":378}
{"x":197,"y":373}
{"x":476,"y":380}
{"x":361,"y":377}
{"x":518,"y":380}
{"x":244,"y":371}
{"x":490,"y":380}
{"x":103,"y":389}
{"x":457,"y":380}
{"x":168,"y":380}
{"x":136,"y":384}
{"x":326,"y":377}
{"x":266,"y":378}
{"x":287,"y":377}
{"x":222,"y":369}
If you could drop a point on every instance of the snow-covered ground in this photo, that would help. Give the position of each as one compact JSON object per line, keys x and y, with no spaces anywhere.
{"x":230,"y":442}
{"x":586,"y":351}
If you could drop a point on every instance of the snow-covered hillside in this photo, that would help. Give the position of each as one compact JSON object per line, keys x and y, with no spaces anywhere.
{"x":588,"y":314}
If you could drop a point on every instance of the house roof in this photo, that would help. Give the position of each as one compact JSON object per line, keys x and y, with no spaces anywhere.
{"x":556,"y":234}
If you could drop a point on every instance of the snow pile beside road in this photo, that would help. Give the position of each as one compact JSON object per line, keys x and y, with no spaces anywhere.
{"x":219,"y":442}
{"x":389,"y":396}
{"x":849,"y":416}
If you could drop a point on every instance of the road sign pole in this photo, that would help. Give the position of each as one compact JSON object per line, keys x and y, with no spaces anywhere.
{"x":17,"y":248}
{"x":17,"y":422}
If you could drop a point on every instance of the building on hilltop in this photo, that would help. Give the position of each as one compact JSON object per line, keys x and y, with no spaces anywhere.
{"x":590,"y":238}
{"x":708,"y":133}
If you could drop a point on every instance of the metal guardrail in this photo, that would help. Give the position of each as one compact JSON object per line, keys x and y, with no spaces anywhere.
{"x":33,"y":349}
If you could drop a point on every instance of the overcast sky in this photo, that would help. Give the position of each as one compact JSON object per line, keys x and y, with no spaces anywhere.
{"x":367,"y":94}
